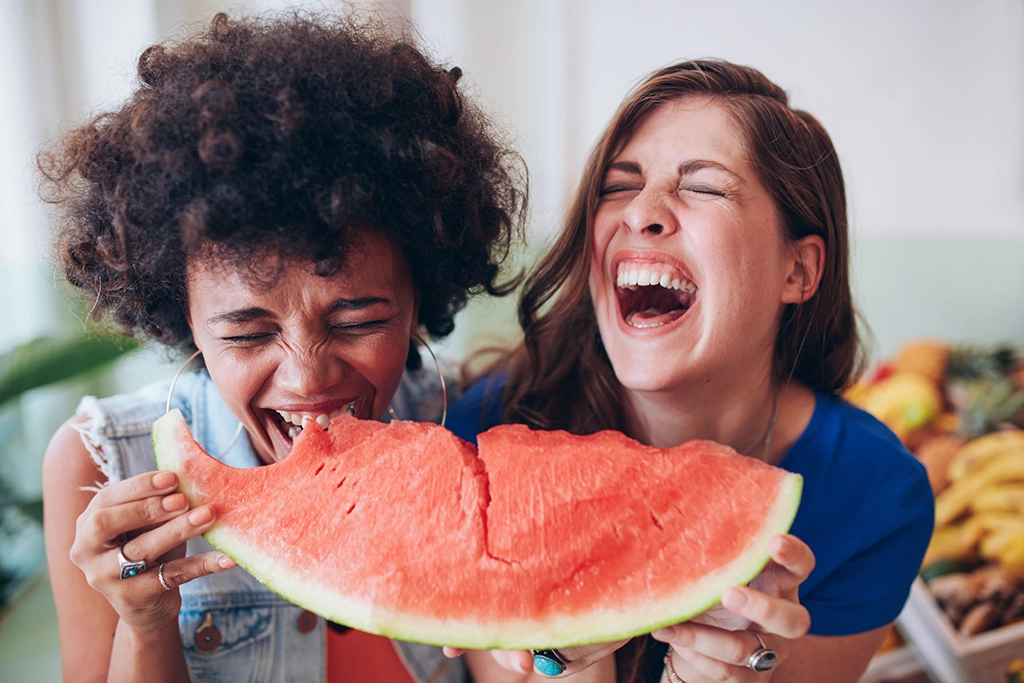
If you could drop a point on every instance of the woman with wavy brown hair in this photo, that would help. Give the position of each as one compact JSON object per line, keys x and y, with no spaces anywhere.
{"x":700,"y":290}
{"x":299,"y":198}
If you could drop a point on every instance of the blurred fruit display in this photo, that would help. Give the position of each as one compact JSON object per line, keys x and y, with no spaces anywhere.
{"x":960,"y":410}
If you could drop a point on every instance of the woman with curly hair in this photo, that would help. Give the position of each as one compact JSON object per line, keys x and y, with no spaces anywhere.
{"x":700,"y":290}
{"x":295,"y":198}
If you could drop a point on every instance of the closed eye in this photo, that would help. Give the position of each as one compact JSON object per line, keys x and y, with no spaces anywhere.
{"x":703,"y":189}
{"x":248,"y":338}
{"x":613,"y":189}
{"x":357,"y":327}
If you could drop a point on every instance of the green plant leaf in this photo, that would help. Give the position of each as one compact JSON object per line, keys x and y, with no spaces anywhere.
{"x":45,"y":360}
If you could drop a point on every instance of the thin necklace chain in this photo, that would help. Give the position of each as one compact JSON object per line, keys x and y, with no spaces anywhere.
{"x":768,"y":432}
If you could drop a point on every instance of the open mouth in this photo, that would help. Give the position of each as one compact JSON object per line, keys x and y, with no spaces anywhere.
{"x":290,"y":425}
{"x":652,"y":294}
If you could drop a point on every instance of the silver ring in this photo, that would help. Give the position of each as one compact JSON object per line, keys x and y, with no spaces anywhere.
{"x":129,"y":568}
{"x":550,"y":663}
{"x":163,"y":582}
{"x":763,"y":658}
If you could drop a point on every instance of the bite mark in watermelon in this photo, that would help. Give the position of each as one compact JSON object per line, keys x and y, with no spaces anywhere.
{"x":537,"y":540}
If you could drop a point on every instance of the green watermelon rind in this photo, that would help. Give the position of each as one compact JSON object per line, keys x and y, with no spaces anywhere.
{"x":570,"y":630}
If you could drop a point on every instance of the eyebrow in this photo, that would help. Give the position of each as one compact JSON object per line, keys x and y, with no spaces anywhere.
{"x":695,"y":165}
{"x":244,"y":315}
{"x":684,"y":168}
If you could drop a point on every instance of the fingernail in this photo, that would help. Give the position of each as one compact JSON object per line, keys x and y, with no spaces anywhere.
{"x":175,"y":501}
{"x":164,"y":480}
{"x":225,"y":562}
{"x":200,"y":516}
{"x":734,"y":599}
{"x":664,"y":634}
{"x":517,"y":664}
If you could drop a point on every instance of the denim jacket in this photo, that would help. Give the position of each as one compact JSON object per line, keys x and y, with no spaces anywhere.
{"x":232,"y":628}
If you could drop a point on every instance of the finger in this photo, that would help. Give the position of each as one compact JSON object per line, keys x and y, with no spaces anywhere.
{"x":136,"y":488}
{"x":792,"y":562}
{"x":774,"y":615}
{"x":588,"y":654}
{"x":105,"y":528}
{"x":452,"y":652}
{"x":793,"y":555}
{"x":696,"y":667}
{"x":520,"y":661}
{"x":174,"y":533}
{"x":177,"y":572}
{"x":727,"y":647}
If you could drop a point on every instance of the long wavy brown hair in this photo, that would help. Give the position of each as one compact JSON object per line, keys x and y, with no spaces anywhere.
{"x":560,"y":376}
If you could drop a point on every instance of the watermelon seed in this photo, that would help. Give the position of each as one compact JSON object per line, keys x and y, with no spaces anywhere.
{"x":320,"y":469}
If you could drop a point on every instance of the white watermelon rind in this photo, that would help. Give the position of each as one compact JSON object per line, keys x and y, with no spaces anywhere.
{"x":581,"y":628}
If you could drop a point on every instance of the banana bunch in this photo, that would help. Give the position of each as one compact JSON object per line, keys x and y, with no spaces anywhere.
{"x":979,"y":516}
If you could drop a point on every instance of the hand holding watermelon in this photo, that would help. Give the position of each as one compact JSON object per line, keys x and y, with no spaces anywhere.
{"x":717,"y":644}
{"x":143,"y":517}
{"x":707,"y":645}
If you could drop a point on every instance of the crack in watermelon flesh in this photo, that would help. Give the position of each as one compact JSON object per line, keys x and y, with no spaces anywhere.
{"x":540,"y":539}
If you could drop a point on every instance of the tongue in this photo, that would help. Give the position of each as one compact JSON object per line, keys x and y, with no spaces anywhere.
{"x":653,"y":317}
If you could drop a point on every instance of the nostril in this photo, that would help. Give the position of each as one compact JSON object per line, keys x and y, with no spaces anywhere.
{"x":654,"y":228}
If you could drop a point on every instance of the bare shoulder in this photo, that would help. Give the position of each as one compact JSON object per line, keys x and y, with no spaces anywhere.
{"x":67,"y":463}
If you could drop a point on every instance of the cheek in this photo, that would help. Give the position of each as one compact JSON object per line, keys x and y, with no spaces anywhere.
{"x":237,"y":380}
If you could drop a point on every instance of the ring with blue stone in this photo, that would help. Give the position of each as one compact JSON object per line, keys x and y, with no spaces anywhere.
{"x":549,"y":662}
{"x":129,"y":568}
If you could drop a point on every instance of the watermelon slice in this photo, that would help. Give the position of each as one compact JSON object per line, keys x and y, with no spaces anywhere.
{"x":539,"y":540}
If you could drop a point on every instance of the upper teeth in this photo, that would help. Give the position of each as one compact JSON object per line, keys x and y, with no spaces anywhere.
{"x":299,"y":420}
{"x":633,"y":275}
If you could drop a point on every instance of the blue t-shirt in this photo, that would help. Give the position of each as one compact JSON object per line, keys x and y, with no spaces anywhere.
{"x":867,"y":509}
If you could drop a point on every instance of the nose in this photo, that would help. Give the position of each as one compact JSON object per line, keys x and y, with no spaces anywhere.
{"x":649,"y":212}
{"x":310,"y":371}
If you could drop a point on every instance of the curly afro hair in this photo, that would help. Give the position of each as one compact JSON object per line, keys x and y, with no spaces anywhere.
{"x":287,"y":131}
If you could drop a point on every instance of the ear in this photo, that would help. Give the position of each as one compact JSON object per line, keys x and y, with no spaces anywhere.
{"x":806,"y":264}
{"x":191,"y":327}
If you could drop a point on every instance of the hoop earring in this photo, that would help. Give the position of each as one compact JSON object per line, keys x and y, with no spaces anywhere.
{"x":440,"y":376}
{"x":170,"y":394}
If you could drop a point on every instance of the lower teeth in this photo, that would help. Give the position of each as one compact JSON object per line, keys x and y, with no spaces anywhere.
{"x":294,"y":432}
{"x":630,"y":320}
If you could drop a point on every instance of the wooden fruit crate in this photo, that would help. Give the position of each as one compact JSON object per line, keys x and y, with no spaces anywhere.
{"x":950,"y":657}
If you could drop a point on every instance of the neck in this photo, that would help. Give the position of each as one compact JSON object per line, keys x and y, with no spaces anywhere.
{"x":743,"y":419}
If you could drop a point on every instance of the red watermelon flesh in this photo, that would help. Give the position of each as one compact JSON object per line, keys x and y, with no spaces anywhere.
{"x":540,"y":539}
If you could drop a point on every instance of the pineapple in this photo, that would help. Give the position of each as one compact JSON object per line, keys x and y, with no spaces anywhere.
{"x":985,"y":387}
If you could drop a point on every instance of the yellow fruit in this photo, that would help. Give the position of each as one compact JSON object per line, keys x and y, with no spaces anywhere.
{"x":957,"y":497}
{"x":977,"y":452}
{"x":904,"y":401}
{"x":1007,"y":496}
{"x":994,"y":543}
{"x":1015,"y":671}
{"x":954,"y":542}
{"x":857,"y":392}
{"x":1011,"y":559}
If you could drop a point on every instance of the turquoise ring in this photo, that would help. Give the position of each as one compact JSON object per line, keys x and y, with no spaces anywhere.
{"x":129,"y":568}
{"x":549,"y":662}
